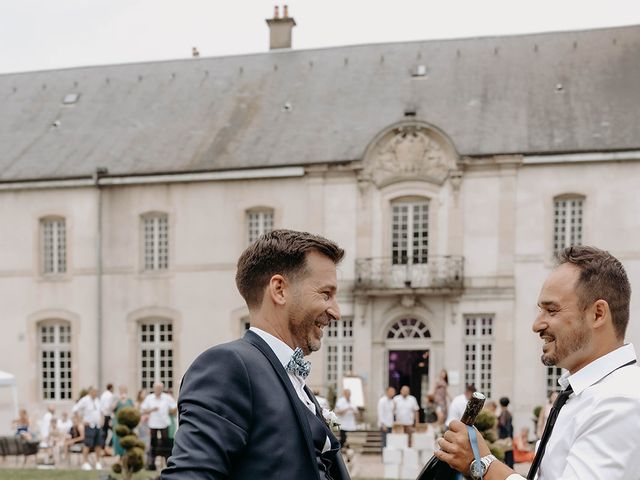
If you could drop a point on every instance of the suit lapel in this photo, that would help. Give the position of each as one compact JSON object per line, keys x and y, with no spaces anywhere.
{"x":296,"y":403}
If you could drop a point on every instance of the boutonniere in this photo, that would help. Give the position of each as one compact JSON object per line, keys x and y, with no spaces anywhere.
{"x":331,"y":419}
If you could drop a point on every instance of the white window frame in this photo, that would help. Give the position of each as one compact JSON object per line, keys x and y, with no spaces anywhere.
{"x":259,"y":222}
{"x":410,"y":231}
{"x":408,"y":328}
{"x":55,"y":360}
{"x":155,"y":241}
{"x":53,"y":234}
{"x":568,"y":215}
{"x":155,"y":344}
{"x":478,"y":351}
{"x":339,"y":352}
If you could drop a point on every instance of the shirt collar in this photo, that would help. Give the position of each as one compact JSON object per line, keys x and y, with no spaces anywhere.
{"x":598,"y":369}
{"x":281,"y":349}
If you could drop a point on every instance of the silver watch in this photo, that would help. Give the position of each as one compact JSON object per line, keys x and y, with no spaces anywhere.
{"x":479,"y":470}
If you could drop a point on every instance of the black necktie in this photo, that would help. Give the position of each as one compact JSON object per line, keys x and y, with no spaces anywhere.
{"x":551,"y":421}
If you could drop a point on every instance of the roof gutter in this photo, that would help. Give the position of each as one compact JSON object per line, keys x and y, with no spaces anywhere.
{"x":256,"y":173}
{"x":581,"y":157}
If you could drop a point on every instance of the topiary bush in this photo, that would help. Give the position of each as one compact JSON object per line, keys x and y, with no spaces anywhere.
{"x":133,"y":459}
{"x":485,"y":423}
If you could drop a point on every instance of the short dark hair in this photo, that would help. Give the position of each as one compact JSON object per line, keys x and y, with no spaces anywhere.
{"x":471,"y":388}
{"x":281,"y":252}
{"x":602,"y":277}
{"x":504,"y":402}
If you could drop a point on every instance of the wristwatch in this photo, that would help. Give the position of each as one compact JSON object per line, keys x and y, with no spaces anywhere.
{"x":478,"y":471}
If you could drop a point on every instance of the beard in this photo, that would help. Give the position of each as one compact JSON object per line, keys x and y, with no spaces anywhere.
{"x":571,"y":342}
{"x":303,"y":329}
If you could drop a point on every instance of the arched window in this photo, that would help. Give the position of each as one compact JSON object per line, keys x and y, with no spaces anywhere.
{"x":567,"y":221}
{"x":155,"y":347}
{"x":408,"y":328}
{"x":53,"y":235}
{"x":259,"y":222}
{"x":409,"y":231}
{"x":54,"y":351}
{"x":155,"y":232}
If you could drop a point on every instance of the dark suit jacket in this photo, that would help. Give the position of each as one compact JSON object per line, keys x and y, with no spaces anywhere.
{"x":241,"y":419}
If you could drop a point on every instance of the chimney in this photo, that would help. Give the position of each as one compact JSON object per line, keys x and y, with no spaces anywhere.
{"x":280,"y":29}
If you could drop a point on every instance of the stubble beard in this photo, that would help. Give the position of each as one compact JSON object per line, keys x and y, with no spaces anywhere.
{"x":574,"y":341}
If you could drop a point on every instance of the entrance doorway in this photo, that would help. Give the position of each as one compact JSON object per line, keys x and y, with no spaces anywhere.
{"x":410,"y":367}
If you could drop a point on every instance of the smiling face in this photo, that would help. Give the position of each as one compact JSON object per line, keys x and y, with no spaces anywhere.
{"x":561,"y":323}
{"x":313,"y":302}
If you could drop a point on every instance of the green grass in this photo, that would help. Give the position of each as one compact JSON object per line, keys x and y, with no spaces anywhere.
{"x":62,"y":474}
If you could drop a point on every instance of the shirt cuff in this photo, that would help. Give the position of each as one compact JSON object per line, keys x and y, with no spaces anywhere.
{"x":515,"y":476}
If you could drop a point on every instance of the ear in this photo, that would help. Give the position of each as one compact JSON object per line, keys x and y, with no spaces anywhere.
{"x":276,"y":290}
{"x":601,"y":313}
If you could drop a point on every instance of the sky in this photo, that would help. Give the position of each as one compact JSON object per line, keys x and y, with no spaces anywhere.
{"x":51,"y":34}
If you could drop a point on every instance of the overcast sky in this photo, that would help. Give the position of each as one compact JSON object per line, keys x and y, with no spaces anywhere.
{"x":46,"y":34}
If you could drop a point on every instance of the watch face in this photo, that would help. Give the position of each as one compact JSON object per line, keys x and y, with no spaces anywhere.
{"x":476,"y":469}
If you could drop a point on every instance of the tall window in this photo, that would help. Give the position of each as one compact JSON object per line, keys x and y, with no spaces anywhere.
{"x":155,"y":340}
{"x":339,"y":343}
{"x":259,"y":222}
{"x":567,"y":222}
{"x":54,"y":246}
{"x":553,"y":374}
{"x":156,"y":241}
{"x":54,"y":342}
{"x":478,"y":352}
{"x":409,"y":232}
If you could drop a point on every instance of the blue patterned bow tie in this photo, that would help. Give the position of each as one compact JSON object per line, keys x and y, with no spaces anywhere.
{"x":298,"y":365}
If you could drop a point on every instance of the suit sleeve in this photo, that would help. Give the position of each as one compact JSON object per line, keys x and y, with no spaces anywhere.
{"x":215,"y":411}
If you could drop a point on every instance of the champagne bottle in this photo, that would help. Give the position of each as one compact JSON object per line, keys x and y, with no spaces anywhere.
{"x":436,"y":469}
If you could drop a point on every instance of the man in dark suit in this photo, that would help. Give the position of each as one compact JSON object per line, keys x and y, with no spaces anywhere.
{"x":245,"y":412}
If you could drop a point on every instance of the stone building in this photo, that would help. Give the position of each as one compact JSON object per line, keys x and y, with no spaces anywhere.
{"x":450,"y":171}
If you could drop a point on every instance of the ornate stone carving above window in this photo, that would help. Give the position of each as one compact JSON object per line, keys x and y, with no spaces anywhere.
{"x":409,"y":151}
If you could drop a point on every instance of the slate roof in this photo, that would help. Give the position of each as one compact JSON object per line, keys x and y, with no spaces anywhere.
{"x":542,"y":93}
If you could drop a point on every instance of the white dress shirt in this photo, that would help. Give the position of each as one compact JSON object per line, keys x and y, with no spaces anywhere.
{"x":406,"y":408}
{"x":597,"y":434}
{"x":457,"y":408}
{"x":284,"y":352}
{"x":159,"y":418}
{"x":89,"y":408}
{"x":106,"y":403}
{"x":386,"y":408}
{"x":347,"y":419}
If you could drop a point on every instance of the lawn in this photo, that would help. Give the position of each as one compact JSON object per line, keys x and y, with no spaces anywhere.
{"x":60,"y":474}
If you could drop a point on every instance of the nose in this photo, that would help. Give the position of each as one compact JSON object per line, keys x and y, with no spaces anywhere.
{"x":334,"y":310}
{"x":538,"y":323}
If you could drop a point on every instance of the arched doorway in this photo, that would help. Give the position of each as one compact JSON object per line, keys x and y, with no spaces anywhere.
{"x":408,"y":343}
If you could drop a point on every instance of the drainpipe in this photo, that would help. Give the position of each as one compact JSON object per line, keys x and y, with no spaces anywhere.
{"x":100,"y":171}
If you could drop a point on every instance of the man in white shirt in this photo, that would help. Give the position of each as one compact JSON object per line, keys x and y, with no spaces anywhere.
{"x":159,"y":406}
{"x":584,"y":312}
{"x":458,"y":404}
{"x":106,"y":405}
{"x":386,"y":413}
{"x":407,"y":410}
{"x":346,"y":412}
{"x":89,"y":409}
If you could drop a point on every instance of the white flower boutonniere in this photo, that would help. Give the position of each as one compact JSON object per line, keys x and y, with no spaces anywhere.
{"x":331,"y":419}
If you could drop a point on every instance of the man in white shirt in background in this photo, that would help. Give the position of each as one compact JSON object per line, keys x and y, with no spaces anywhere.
{"x":346,"y":412}
{"x":407,"y":410}
{"x":582,"y":319}
{"x":458,"y":404}
{"x":386,"y":412}
{"x":158,"y":405}
{"x":107,"y":402}
{"x":89,"y":409}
